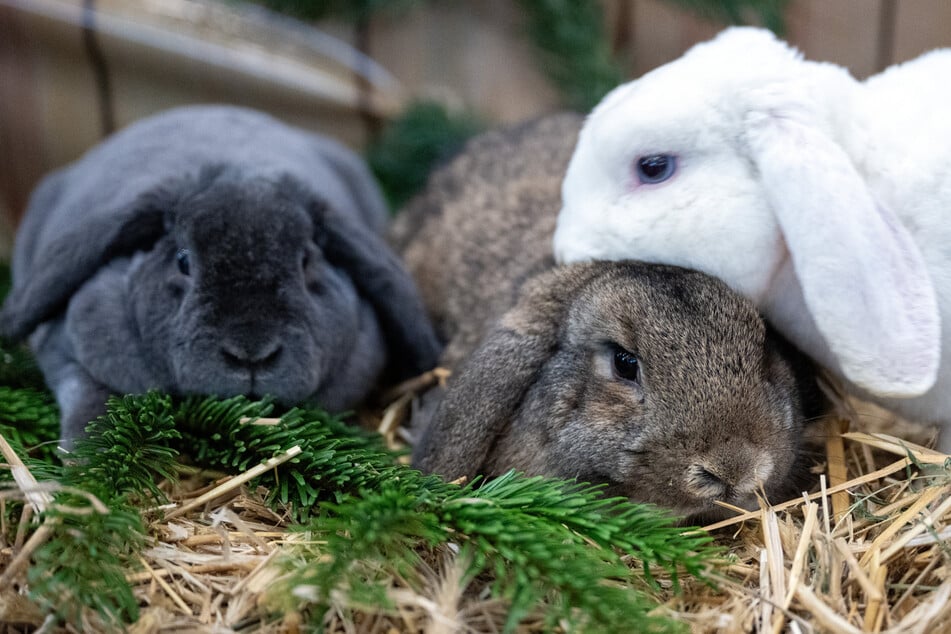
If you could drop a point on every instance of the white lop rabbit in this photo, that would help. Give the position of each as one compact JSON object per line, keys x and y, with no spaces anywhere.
{"x":822,"y":198}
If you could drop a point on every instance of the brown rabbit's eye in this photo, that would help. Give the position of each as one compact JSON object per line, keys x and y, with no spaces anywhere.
{"x":626,"y":366}
{"x":182,"y":259}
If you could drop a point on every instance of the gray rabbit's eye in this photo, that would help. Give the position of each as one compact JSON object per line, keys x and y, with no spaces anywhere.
{"x":182,"y":259}
{"x":626,"y":366}
{"x":655,"y":168}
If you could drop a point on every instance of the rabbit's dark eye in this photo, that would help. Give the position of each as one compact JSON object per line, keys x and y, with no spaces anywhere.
{"x":655,"y":168}
{"x":182,"y":259}
{"x":626,"y":366}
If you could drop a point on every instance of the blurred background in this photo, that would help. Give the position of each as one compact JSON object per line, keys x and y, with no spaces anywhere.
{"x":402,"y":81}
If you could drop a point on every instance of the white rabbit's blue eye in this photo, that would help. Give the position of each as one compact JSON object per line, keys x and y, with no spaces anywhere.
{"x":655,"y":168}
{"x":626,"y":365}
{"x":183,"y":264}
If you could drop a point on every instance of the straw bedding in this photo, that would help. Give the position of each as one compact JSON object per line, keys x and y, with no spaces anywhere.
{"x":865,"y":552}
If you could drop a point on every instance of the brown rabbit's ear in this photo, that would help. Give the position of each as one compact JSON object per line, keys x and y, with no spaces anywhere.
{"x":485,"y":395}
{"x":63,"y":264}
{"x":480,"y":403}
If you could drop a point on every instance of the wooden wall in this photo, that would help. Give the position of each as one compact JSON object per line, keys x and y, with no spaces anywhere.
{"x":864,"y":35}
{"x":471,"y":54}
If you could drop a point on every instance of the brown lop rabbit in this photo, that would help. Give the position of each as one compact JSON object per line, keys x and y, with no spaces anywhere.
{"x":657,"y":381}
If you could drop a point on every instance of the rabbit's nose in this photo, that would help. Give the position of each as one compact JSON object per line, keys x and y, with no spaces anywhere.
{"x":251,"y":356}
{"x":739,"y":471}
{"x":704,"y":483}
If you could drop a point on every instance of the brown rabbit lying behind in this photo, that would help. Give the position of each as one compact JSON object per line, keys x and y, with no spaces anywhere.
{"x":658,"y":381}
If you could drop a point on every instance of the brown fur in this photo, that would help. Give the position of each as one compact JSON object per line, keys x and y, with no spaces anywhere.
{"x":720,"y":400}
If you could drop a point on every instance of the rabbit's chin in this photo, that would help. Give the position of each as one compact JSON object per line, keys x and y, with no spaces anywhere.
{"x":284,"y":386}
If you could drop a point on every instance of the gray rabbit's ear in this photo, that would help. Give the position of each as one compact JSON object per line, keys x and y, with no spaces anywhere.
{"x":64,"y":263}
{"x":381,"y":279}
{"x":358,"y":181}
{"x":485,"y":395}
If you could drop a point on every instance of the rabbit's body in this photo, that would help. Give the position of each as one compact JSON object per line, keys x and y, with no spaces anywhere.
{"x":657,"y":381}
{"x":821,"y":198}
{"x":212,"y":250}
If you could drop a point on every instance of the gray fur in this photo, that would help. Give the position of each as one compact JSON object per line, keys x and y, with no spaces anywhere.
{"x":535,"y":390}
{"x":291,"y":290}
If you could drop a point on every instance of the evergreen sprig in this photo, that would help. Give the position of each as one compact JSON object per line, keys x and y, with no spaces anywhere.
{"x":127,"y":449}
{"x":79,"y":572}
{"x":540,"y":539}
{"x":543,"y":542}
{"x":335,"y":458}
{"x":29,"y":420}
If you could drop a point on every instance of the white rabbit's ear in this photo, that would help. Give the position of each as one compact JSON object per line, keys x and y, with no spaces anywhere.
{"x":863,"y":278}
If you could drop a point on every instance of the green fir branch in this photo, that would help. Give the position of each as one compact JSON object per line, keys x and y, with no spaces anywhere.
{"x":79,"y":572}
{"x":29,"y":420}
{"x":543,"y":542}
{"x":540,"y":539}
{"x":335,"y":457}
{"x":127,"y":449}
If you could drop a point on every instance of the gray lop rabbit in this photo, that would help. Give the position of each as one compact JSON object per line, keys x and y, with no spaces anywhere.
{"x":657,"y":381}
{"x":213,"y":250}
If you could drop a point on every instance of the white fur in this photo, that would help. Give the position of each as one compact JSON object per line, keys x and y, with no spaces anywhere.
{"x":822,"y":198}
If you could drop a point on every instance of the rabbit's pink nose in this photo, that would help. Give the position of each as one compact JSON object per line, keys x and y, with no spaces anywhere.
{"x":251,"y":357}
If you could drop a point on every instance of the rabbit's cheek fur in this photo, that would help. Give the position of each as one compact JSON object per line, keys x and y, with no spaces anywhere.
{"x":356,"y":361}
{"x":105,"y":333}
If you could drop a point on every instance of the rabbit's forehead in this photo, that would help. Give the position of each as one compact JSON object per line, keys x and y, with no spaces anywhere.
{"x":258,"y":213}
{"x":642,"y":316}
{"x":694,"y":91}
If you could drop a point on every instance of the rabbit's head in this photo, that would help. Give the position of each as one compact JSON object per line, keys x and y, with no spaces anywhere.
{"x":657,"y":381}
{"x":249,"y":288}
{"x":737,"y":160}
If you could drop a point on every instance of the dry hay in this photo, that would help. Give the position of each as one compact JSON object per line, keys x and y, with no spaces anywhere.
{"x":864,"y":553}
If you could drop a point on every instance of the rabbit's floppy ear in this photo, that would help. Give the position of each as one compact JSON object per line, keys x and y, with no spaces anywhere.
{"x":63,"y":264}
{"x":863,"y":278}
{"x":485,"y":394}
{"x":480,"y":403}
{"x":382,"y":280}
{"x":358,"y":181}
